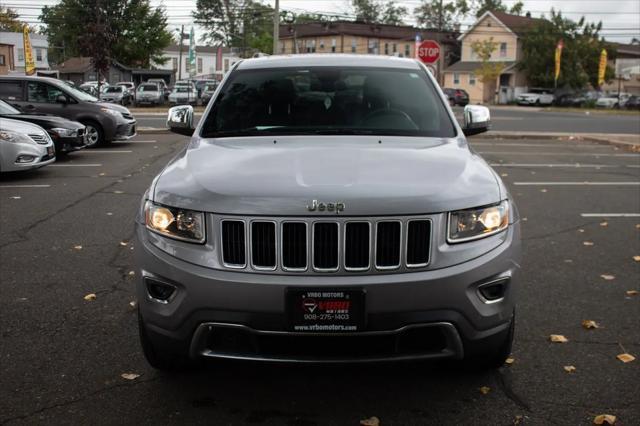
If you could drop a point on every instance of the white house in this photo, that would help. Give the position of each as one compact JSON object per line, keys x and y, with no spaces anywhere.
{"x":39,"y":44}
{"x":211,"y":61}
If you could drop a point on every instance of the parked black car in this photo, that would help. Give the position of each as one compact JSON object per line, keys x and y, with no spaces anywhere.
{"x":633,"y":102}
{"x":67,"y":135}
{"x":456,"y":96}
{"x":571,"y":100}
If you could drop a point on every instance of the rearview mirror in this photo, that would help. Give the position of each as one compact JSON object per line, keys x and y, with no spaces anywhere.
{"x":61,"y":99}
{"x":477,"y":119}
{"x":180,"y":120}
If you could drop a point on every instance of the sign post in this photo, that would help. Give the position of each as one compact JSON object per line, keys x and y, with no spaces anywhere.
{"x":429,"y":54}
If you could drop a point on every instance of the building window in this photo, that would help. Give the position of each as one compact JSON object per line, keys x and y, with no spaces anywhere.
{"x":395,"y":48}
{"x":386,"y":48}
{"x":456,"y":78}
{"x":354,"y":45}
{"x":20,"y":54}
{"x":333,"y":45}
{"x":373,"y":48}
{"x":407,"y":50}
{"x":199,"y":65}
{"x":2,"y":62}
{"x":311,"y":46}
{"x":472,"y":79}
{"x":503,"y":50}
{"x":281,"y":46}
{"x":186,"y":64}
{"x":322,"y":44}
{"x":174,"y":63}
{"x":39,"y":55}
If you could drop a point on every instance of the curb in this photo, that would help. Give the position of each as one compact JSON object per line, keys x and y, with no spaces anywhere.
{"x":153,"y":131}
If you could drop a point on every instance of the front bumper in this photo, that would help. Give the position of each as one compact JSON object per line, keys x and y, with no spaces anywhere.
{"x":9,"y":153}
{"x":69,"y":144}
{"x":125,"y":131}
{"x":250,"y":309}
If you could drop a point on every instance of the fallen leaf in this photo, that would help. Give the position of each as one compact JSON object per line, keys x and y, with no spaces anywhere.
{"x":587,"y":243}
{"x":123,"y":243}
{"x":133,"y":303}
{"x":510,"y":361}
{"x":118,"y":192}
{"x":590,"y":324}
{"x":543,"y":190}
{"x":109,"y":214}
{"x":558,"y":338}
{"x":77,"y":247}
{"x":485,"y":390}
{"x":15,"y":197}
{"x":101,"y":174}
{"x":632,"y":292}
{"x":90,"y":296}
{"x":580,"y":230}
{"x":371,"y":421}
{"x":129,"y":376}
{"x":504,"y":174}
{"x":607,"y":277}
{"x":604,"y":418}
{"x":524,"y":219}
{"x":568,"y":261}
{"x":638,"y":226}
{"x":517,"y":420}
{"x":636,"y":258}
{"x":569,"y":368}
{"x":605,"y":223}
{"x":626,"y":358}
{"x":132,"y":272}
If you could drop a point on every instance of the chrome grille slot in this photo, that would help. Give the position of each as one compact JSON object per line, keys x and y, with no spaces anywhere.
{"x":357,"y":246}
{"x":325,"y":246}
{"x":388,"y":236}
{"x":418,"y":243}
{"x":39,"y":138}
{"x":294,"y":246}
{"x":233,"y":244}
{"x":263,"y":245}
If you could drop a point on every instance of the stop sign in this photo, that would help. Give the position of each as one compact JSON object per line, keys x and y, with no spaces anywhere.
{"x":429,"y":51}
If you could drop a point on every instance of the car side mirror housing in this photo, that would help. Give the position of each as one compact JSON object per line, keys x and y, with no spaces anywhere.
{"x":61,"y":99}
{"x":180,"y":120}
{"x":477,"y":119}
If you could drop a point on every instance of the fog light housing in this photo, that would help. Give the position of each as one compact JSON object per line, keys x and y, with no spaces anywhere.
{"x":159,"y":291}
{"x":494,"y":291}
{"x":25,"y":159}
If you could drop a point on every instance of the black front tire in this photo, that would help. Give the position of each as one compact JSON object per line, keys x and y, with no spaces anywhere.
{"x":491,"y":353}
{"x":167,"y":357}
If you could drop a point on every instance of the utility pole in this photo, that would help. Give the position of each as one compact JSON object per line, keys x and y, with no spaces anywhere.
{"x":276,"y":27}
{"x":180,"y":53}
{"x":439,"y":39}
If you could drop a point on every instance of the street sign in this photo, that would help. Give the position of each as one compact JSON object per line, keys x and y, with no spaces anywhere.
{"x":429,"y":51}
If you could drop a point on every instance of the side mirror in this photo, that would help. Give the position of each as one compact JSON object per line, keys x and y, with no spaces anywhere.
{"x":61,"y":99}
{"x":477,"y":119}
{"x":180,"y":120}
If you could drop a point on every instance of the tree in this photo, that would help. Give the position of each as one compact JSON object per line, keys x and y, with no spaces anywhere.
{"x":489,"y":70}
{"x":241,"y":23}
{"x":482,"y":6}
{"x":440,"y":15}
{"x":379,"y":12}
{"x":136,"y":32}
{"x":9,"y":20}
{"x":580,"y":55}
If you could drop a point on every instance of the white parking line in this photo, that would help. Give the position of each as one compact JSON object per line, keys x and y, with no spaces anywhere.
{"x":610,"y":215}
{"x":24,"y":186}
{"x":585,"y":183}
{"x":557,"y":153}
{"x":151,"y":141}
{"x":570,"y":165}
{"x":105,"y":151}
{"x":76,"y":165}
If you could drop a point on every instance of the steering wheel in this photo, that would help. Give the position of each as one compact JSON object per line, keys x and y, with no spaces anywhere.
{"x":405,"y":121}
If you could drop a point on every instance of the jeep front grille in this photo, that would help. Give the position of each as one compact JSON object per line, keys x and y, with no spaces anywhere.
{"x":325,"y":245}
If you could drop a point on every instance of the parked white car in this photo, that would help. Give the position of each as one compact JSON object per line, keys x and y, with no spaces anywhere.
{"x":24,"y":146}
{"x":183,"y":94}
{"x":612,"y":100}
{"x":536,"y":97}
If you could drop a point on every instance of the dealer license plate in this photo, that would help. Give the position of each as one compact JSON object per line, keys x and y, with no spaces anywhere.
{"x":326,"y":310}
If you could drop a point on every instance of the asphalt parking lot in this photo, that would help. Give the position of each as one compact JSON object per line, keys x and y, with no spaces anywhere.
{"x":65,"y":232}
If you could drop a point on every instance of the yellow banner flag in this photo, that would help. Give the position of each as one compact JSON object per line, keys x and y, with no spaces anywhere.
{"x":558,"y":58}
{"x":603,"y":67}
{"x":29,"y":63}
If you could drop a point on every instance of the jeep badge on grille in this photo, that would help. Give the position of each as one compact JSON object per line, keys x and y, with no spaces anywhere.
{"x":330,"y":207}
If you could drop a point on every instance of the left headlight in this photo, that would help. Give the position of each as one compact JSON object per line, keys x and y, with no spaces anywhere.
{"x":9,"y":136}
{"x":65,"y":133}
{"x":472,"y":224}
{"x":181,"y":224}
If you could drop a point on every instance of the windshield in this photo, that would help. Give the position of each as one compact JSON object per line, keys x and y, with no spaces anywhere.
{"x":181,"y":89}
{"x":210,"y":88}
{"x":79,"y":94}
{"x":7,"y":109}
{"x":113,"y":89}
{"x":148,"y":88}
{"x":328,"y":100}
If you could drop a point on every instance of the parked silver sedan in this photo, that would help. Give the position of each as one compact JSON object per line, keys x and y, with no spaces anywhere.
{"x":24,"y":146}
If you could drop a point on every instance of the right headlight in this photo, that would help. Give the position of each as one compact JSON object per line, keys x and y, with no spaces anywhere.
{"x":472,"y":224}
{"x":181,"y":224}
{"x":15,"y":137}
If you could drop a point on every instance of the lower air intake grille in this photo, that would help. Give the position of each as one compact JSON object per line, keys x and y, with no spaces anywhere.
{"x":233,"y":252}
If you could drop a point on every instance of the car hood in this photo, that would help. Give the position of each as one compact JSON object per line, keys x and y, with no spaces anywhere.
{"x":372,"y":176}
{"x":20,"y":126}
{"x":46,"y":121}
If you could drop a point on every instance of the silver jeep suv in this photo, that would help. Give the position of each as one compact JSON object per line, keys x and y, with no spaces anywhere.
{"x":327,"y":209}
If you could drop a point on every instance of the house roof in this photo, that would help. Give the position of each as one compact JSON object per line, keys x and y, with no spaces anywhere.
{"x":516,"y":24}
{"x":627,"y":50}
{"x":397,"y":32}
{"x":470,"y":66}
{"x":82,"y":64}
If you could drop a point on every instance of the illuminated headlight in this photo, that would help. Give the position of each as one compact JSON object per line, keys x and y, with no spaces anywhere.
{"x":15,"y":137}
{"x":471,"y":224}
{"x":181,"y":224}
{"x":65,"y":133}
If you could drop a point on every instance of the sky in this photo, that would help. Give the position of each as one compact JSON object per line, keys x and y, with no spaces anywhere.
{"x":620,"y":18}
